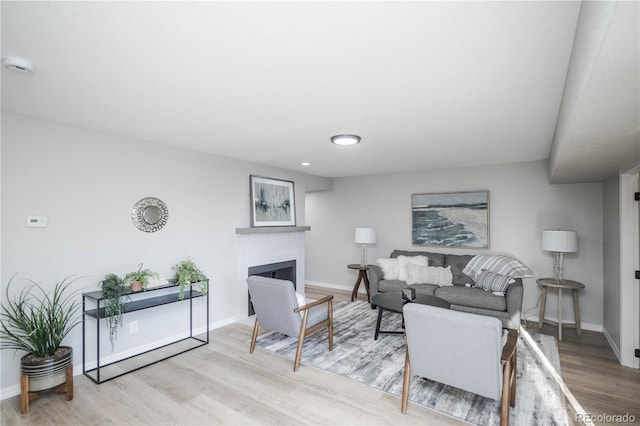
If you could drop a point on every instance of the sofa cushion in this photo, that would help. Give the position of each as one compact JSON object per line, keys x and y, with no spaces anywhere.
{"x":428,"y":289}
{"x":435,"y":259}
{"x":385,"y":286}
{"x":474,"y":297}
{"x":457,"y":263}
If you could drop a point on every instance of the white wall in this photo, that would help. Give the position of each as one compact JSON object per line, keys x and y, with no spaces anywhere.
{"x":86,"y":183}
{"x":611,"y":255}
{"x":522,"y":204}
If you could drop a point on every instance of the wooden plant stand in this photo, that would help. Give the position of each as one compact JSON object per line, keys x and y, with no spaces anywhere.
{"x":26,"y":397}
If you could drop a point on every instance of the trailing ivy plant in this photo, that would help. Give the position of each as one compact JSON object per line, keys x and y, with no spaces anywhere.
{"x":187,"y":272}
{"x":37,"y":320}
{"x":114,"y":291}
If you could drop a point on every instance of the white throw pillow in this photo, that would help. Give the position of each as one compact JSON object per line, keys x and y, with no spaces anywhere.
{"x":417,"y":274}
{"x":405,"y":262}
{"x":440,"y":276}
{"x":301,"y":302}
{"x":389,"y":268}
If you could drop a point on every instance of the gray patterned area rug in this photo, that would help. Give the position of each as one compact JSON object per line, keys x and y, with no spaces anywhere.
{"x":356,"y":356}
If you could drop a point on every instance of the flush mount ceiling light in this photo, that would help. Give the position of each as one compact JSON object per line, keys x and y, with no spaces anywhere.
{"x":18,"y":64}
{"x":345,"y":139}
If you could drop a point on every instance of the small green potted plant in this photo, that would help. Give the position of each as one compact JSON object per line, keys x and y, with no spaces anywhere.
{"x":36,"y":321}
{"x":187,"y":272}
{"x":138,"y":280}
{"x":114,"y":293}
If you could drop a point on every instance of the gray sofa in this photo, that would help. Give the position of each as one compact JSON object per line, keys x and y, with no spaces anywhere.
{"x":506,"y":308}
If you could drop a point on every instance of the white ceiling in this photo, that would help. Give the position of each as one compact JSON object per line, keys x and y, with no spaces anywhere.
{"x":425,"y":84}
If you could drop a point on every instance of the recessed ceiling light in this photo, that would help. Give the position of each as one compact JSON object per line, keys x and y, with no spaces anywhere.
{"x":18,"y":64}
{"x":305,"y":163}
{"x":345,"y":139}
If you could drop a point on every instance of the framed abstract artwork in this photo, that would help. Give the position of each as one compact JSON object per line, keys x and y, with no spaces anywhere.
{"x":451,"y":219}
{"x":272,"y":202}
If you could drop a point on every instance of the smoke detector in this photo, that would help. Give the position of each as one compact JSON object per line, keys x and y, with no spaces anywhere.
{"x":18,"y":64}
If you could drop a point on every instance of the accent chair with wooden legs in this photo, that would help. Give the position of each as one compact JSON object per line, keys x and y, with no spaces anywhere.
{"x":276,"y":307}
{"x":463,"y":350}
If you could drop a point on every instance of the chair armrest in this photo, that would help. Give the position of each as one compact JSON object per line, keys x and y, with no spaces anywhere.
{"x":510,"y":347}
{"x":312,"y":304}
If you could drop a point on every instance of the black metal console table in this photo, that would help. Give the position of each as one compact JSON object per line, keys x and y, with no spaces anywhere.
{"x":93,"y":307}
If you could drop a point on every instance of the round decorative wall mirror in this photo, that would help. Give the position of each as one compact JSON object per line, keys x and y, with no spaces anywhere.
{"x":149,"y":214}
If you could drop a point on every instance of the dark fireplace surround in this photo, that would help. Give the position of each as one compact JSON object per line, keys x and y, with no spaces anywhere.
{"x":280,"y":270}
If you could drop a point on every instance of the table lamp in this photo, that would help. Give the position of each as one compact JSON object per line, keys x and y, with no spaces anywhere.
{"x":559,"y":242}
{"x":365,"y":236}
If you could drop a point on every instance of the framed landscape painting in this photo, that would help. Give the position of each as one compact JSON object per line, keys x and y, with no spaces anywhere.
{"x":272,"y":202}
{"x":451,"y":219}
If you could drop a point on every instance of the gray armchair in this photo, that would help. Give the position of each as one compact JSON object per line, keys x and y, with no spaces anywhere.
{"x":463,"y":350}
{"x":277,"y":309}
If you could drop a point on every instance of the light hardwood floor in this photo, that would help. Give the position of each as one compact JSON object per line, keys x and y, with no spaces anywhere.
{"x":593,"y":375}
{"x":222,"y":384}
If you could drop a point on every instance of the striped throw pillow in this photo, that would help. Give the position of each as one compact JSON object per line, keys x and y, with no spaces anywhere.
{"x":489,"y":281}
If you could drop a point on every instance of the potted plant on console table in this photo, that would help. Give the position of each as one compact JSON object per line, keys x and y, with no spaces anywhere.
{"x":36,"y":321}
{"x":188,"y":272}
{"x":139,"y":279}
{"x":114,"y":293}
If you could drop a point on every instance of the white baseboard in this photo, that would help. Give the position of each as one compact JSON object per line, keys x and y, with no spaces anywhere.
{"x":613,"y":345}
{"x":14,"y":390}
{"x":361,"y":290}
{"x":221,"y":323}
{"x":583,"y":325}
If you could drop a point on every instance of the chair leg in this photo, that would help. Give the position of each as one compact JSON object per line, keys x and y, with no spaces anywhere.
{"x":506,"y":397}
{"x":512,"y":391}
{"x":330,"y":308}
{"x":405,"y":383}
{"x":303,"y":328}
{"x":256,"y":327}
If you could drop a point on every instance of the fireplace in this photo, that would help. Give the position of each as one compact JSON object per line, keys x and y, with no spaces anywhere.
{"x":267,"y":246}
{"x":280,"y":270}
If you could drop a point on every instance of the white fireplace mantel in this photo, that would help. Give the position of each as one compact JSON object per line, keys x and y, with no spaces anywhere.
{"x":270,"y":229}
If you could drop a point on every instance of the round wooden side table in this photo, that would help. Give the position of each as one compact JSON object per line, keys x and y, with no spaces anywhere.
{"x":574,"y":286}
{"x":362,"y":276}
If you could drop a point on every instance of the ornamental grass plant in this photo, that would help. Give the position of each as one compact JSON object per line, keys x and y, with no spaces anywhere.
{"x":35,"y":320}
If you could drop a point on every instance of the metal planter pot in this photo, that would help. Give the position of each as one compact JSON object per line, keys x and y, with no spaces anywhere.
{"x":46,"y":373}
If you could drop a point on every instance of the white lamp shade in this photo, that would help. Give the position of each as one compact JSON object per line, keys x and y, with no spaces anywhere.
{"x":365,"y":236}
{"x":560,"y":241}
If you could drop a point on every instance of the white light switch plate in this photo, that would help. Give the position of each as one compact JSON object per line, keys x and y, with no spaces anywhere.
{"x":36,"y":221}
